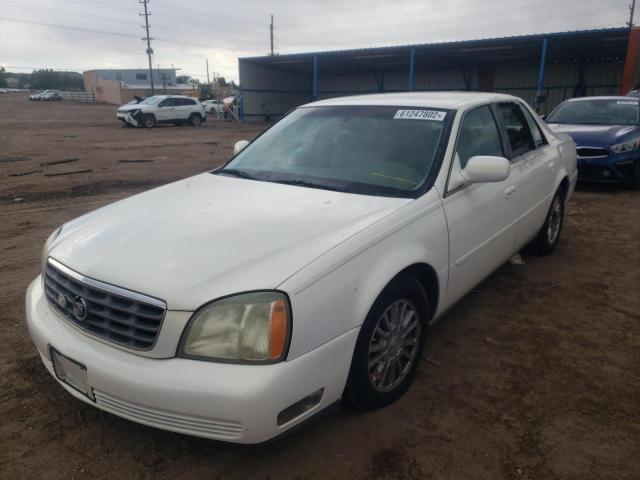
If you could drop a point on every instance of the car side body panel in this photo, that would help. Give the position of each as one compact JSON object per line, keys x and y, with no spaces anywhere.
{"x":334,"y":293}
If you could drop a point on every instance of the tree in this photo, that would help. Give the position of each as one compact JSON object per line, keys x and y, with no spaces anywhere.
{"x":221,"y":82}
{"x":46,"y":78}
{"x":183,"y":79}
{"x":3,"y":77}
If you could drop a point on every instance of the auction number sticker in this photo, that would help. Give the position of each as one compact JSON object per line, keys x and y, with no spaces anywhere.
{"x":420,"y":115}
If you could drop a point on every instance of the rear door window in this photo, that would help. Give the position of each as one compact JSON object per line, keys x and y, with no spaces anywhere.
{"x":517,"y":128}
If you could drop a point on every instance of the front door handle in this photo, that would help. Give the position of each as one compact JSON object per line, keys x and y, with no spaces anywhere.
{"x":509,"y":191}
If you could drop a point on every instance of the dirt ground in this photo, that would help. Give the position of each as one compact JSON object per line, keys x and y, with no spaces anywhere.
{"x":534,"y":375}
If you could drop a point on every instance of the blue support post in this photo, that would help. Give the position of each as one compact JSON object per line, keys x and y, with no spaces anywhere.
{"x":240,"y":90}
{"x":315,"y":76}
{"x":411,"y":62}
{"x":543,"y":58}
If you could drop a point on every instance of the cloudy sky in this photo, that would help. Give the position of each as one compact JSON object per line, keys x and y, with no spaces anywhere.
{"x":87,"y":34}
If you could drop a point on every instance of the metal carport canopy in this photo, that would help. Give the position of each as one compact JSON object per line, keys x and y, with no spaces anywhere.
{"x":587,"y":45}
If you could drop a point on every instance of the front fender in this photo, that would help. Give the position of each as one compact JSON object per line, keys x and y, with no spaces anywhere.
{"x":334,"y":294}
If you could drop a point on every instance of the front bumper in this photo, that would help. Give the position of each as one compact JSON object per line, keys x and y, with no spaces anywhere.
{"x":621,"y":168}
{"x":235,"y":403}
{"x":127,"y":118}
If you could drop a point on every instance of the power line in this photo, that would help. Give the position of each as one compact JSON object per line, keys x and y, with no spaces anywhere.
{"x":448,"y":30}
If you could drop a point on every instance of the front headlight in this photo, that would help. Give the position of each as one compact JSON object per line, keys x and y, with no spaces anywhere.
{"x":626,"y":147}
{"x":245,"y":328}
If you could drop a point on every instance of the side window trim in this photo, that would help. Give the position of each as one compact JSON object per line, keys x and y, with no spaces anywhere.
{"x":504,"y":137}
{"x":505,"y":145}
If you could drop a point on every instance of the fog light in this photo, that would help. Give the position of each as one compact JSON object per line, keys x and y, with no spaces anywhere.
{"x":605,"y":173}
{"x":300,"y":407}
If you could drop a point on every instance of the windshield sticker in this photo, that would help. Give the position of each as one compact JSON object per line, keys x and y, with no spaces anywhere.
{"x":627,"y":102}
{"x":420,"y":115}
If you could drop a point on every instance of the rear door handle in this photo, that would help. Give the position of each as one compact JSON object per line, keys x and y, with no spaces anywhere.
{"x":550,"y":165}
{"x":509,"y":191}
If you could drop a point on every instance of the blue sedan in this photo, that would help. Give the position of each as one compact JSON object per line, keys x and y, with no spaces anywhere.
{"x":606,"y":131}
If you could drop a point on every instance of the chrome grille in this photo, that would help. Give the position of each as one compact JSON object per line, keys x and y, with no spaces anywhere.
{"x":591,"y":152}
{"x":117,"y":315}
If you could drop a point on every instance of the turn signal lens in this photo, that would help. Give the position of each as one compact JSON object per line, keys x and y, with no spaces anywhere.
{"x":278,"y":335}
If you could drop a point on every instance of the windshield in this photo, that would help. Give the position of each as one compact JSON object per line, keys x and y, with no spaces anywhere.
{"x":597,"y":112}
{"x":377,"y":150}
{"x":151,"y":100}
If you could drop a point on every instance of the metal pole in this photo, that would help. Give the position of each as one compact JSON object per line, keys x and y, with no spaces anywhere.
{"x":411,"y":62}
{"x":209,"y":81}
{"x":632,"y":9}
{"x":315,"y":76}
{"x":271,"y":33}
{"x":241,"y":93}
{"x":148,"y":40}
{"x":543,"y":58}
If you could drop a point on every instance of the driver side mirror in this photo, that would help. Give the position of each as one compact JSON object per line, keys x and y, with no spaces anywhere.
{"x":484,"y":169}
{"x":239,"y":146}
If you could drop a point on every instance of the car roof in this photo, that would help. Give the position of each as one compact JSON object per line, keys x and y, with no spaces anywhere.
{"x":602,"y":97}
{"x":447,"y":100}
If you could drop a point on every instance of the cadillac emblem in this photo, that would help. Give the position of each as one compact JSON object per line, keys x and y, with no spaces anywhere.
{"x":62,"y":301}
{"x":80,"y":309}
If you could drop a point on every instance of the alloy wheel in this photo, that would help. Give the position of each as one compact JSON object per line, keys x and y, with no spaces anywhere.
{"x":555,"y":220}
{"x":393,"y":345}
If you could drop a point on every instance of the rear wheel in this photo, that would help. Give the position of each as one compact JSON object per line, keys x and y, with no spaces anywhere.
{"x":549,"y":235}
{"x":389,"y":347}
{"x":149,"y":120}
{"x":195,"y":119}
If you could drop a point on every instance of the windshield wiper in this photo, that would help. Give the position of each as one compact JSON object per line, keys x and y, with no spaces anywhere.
{"x":306,"y":183}
{"x":232,"y":172}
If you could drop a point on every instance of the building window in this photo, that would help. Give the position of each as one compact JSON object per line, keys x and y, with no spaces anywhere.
{"x":141,"y":76}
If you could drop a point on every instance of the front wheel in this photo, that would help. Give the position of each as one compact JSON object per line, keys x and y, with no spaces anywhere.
{"x":195,"y":120}
{"x":389,"y":347}
{"x":149,"y":121}
{"x":549,"y":235}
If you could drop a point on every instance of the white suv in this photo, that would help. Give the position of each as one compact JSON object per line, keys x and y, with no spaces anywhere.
{"x":176,"y":109}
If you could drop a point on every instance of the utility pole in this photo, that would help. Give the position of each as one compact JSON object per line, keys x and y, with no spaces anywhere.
{"x":271,"y":33}
{"x":148,"y":40}
{"x":214,"y":76}
{"x":632,"y":9}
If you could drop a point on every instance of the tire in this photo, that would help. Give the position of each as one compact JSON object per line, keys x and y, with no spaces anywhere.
{"x":149,"y":120}
{"x":195,"y":120}
{"x":548,"y":237}
{"x":383,"y":383}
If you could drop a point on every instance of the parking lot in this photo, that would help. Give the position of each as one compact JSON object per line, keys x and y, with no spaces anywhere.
{"x":535,"y":374}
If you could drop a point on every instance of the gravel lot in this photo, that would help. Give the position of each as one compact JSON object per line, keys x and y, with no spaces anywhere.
{"x":534,"y":375}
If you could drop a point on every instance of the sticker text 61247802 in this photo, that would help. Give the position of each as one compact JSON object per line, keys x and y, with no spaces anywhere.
{"x":436,"y":115}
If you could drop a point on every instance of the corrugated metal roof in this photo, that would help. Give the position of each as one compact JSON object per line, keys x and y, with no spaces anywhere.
{"x":454,"y":43}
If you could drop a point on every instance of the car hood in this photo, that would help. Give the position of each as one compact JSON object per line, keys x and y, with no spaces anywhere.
{"x":127,"y":107}
{"x":597,"y":135}
{"x":208,"y":236}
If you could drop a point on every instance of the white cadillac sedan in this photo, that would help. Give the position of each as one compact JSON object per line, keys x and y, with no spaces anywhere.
{"x":238,"y":303}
